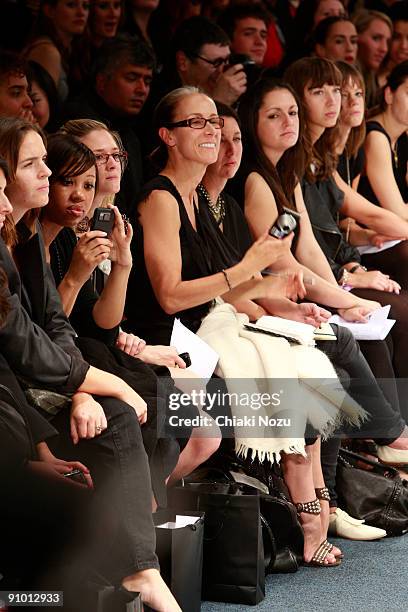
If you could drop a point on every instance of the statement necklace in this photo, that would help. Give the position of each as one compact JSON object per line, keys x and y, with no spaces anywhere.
{"x":217,"y":208}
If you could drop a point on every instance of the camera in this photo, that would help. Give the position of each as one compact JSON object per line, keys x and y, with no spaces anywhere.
{"x":250,"y":67}
{"x":284,"y":224}
{"x":103,"y":220}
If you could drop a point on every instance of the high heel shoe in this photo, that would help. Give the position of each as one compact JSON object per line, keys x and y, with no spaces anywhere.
{"x":323,"y":494}
{"x":320,"y":554}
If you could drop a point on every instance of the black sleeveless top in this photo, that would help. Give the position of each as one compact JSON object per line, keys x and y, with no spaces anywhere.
{"x":399,"y":165}
{"x":202,"y":254}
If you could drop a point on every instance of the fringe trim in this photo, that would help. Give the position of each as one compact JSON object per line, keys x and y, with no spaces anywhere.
{"x":273,"y":456}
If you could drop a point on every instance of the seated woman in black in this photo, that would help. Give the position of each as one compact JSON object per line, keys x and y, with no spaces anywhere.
{"x":384,"y":180}
{"x":70,"y":199}
{"x":38,"y":344}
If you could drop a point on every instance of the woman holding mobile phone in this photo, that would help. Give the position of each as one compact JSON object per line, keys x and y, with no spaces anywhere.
{"x":38,"y":343}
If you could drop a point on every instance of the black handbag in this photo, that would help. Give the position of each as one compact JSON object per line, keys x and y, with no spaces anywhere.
{"x":180,"y":553}
{"x":233,"y":552}
{"x":372,"y":491}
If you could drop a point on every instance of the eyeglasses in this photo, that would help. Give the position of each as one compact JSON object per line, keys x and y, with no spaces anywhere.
{"x":103,"y":158}
{"x":197,"y":123}
{"x":216,"y":63}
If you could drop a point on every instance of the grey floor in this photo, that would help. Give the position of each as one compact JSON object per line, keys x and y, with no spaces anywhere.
{"x":373,"y":577}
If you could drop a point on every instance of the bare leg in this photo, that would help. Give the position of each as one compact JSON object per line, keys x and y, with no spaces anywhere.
{"x":318,"y":481}
{"x":298,"y":471}
{"x":204,"y":441}
{"x":154,"y":591}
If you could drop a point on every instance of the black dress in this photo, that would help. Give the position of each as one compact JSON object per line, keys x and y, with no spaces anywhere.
{"x":200,"y":257}
{"x":399,"y":165}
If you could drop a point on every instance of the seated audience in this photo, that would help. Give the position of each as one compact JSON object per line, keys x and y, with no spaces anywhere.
{"x":15,"y":100}
{"x":350,"y":136}
{"x":44,"y":96}
{"x":122,"y":77}
{"x":246,"y":25}
{"x":384,"y":179}
{"x":57,"y":25}
{"x":174,"y":220}
{"x":374,"y":34}
{"x":335,"y":38}
{"x":38,"y":344}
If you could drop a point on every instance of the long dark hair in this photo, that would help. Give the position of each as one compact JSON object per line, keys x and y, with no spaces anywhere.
{"x":311,"y":72}
{"x":12,"y":133}
{"x":283,"y":178}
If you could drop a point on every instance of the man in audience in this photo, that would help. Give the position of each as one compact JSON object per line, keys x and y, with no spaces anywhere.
{"x":14,"y":88}
{"x":121,"y":83}
{"x":247,"y":27}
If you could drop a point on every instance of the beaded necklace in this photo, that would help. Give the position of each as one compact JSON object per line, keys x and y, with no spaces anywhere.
{"x":217,"y":208}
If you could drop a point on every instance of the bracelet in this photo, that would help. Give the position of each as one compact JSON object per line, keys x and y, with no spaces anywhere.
{"x":354,"y":268}
{"x":344,"y":278}
{"x":227,"y":279}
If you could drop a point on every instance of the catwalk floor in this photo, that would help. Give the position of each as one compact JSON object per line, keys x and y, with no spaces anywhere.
{"x":372,"y":576}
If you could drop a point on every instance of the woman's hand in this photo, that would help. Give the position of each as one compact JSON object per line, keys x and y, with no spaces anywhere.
{"x":49,"y":466}
{"x":373,"y":280}
{"x":310,"y":313}
{"x":130,"y":344}
{"x":92,"y":248}
{"x":378,"y":240}
{"x":129,"y":396}
{"x":161,"y":355}
{"x":121,"y":238}
{"x":265,"y":251}
{"x":87,"y":417}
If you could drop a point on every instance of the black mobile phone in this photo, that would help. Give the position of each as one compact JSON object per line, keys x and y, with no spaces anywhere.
{"x":186,"y":358}
{"x":76,"y":475}
{"x":103,"y":220}
{"x":284,"y":224}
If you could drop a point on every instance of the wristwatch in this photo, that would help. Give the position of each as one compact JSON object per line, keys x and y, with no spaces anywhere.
{"x":354,"y":268}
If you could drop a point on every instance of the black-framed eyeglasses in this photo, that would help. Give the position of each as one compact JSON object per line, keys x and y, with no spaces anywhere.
{"x":103,"y":158}
{"x":197,"y":123}
{"x":216,"y":63}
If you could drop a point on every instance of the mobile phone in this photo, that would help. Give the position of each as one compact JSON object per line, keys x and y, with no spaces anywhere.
{"x":103,"y":220}
{"x":76,"y":475}
{"x":284,"y":224}
{"x":186,"y":358}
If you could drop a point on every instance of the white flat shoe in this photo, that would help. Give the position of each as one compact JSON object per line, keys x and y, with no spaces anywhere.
{"x":392,"y":456}
{"x":345,"y":526}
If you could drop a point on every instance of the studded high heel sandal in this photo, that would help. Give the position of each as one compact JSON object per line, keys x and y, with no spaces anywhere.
{"x":323,"y":494}
{"x":321,"y":552}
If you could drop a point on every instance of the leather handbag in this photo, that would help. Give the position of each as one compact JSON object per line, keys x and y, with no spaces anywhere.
{"x":372,"y":491}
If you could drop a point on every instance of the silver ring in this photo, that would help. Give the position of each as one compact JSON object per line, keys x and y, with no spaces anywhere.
{"x":98,"y":428}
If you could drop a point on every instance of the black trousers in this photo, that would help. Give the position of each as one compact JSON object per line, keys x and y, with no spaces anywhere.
{"x":123,"y":536}
{"x":385,"y":423}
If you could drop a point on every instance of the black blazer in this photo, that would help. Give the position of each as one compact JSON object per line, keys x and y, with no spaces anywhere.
{"x":37,"y":340}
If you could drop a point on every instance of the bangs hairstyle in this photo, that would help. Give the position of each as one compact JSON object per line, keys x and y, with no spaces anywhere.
{"x":352,"y":76}
{"x":68,"y":157}
{"x":164,"y":113}
{"x":310,"y":73}
{"x":12,"y":133}
{"x":283,"y":178}
{"x":80,"y":128}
